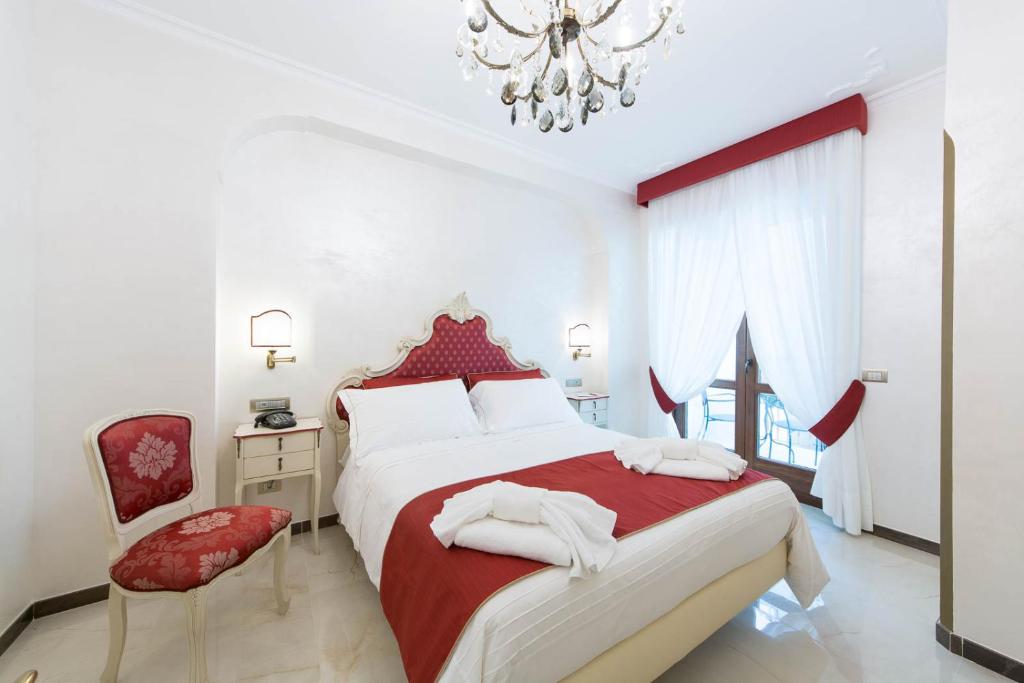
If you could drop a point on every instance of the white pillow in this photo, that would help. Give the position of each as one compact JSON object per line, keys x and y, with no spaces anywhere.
{"x":513,"y":404}
{"x":412,"y":413}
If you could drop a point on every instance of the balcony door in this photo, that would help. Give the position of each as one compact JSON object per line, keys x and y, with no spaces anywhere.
{"x":740,"y":411}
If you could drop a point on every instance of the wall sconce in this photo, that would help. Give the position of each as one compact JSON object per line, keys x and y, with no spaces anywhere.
{"x":579,"y":341}
{"x":271,"y":328}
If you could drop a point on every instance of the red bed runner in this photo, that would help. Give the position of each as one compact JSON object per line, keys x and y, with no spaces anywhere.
{"x":430,"y":592}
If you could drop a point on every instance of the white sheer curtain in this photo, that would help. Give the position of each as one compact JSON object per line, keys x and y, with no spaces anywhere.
{"x":781,"y":240}
{"x":695,"y":301}
{"x":798,"y":221}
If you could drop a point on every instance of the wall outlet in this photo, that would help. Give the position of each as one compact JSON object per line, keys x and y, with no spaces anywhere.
{"x":273,"y":485}
{"x":258,"y":405}
{"x":574,"y":382}
{"x":875,"y":376}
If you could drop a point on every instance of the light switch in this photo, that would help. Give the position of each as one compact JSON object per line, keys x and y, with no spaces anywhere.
{"x":259,"y":405}
{"x":875,"y":376}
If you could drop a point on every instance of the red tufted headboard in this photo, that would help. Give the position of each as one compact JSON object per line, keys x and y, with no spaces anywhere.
{"x":458,"y":340}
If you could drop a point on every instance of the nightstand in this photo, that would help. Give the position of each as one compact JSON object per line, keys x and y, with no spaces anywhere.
{"x":593,"y":408}
{"x":263,"y":454}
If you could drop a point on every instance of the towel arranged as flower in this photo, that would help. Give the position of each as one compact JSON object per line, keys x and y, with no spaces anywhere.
{"x":557,"y":527}
{"x":692,"y":458}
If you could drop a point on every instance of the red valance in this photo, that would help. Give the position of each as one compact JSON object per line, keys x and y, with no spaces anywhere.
{"x":835,"y":118}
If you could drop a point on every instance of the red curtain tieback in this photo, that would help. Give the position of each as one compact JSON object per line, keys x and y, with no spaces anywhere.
{"x":665,"y":402}
{"x":835,"y":423}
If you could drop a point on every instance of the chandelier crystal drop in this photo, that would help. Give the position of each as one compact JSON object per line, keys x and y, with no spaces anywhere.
{"x":572,"y":56}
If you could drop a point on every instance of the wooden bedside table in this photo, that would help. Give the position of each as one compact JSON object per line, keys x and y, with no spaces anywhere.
{"x":593,"y":408}
{"x":263,"y":454}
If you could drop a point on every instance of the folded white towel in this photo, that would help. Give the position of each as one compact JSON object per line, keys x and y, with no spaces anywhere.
{"x":692,"y":469}
{"x":639,"y":454}
{"x":666,"y":456}
{"x":583,"y":526}
{"x":518,"y":503}
{"x":500,"y":537}
{"x":704,"y":451}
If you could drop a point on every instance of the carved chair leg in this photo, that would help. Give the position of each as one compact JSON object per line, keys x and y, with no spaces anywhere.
{"x":280,"y":560}
{"x":195,"y":630}
{"x":118,"y":614}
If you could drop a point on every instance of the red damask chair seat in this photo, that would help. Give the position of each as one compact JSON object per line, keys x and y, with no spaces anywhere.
{"x":192,"y":551}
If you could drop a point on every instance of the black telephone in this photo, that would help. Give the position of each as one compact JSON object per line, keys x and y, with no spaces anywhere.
{"x":275,"y":419}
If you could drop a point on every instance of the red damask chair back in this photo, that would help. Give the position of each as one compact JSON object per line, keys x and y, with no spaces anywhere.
{"x":143,"y":464}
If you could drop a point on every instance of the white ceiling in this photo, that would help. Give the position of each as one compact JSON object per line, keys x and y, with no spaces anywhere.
{"x":743,"y":66}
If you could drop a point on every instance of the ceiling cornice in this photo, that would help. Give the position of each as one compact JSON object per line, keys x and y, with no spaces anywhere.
{"x":172,"y":25}
{"x":909,"y":86}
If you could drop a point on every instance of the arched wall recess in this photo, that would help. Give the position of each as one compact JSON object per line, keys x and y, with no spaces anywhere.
{"x":586,"y":219}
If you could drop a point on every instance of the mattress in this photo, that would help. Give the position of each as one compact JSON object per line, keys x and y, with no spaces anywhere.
{"x":544,"y":627}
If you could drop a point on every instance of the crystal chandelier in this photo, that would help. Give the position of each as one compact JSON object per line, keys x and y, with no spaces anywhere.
{"x":566,"y":65}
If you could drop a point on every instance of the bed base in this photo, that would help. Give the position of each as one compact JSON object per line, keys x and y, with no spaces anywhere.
{"x":653,"y":650}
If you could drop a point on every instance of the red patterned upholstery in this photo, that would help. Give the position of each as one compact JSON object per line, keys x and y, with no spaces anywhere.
{"x":390,"y":381}
{"x":147,"y":461}
{"x":192,"y":551}
{"x":456,"y":347}
{"x":453,"y":348}
{"x":474,"y":377}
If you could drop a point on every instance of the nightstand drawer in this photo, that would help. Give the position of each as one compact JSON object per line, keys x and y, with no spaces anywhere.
{"x":593,"y":404}
{"x":594,"y":417}
{"x":285,"y":443}
{"x":269,"y":465}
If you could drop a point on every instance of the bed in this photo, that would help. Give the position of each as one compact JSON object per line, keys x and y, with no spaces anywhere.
{"x":667,"y":588}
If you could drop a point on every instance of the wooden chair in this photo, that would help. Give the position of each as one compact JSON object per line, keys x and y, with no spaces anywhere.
{"x":143,"y":464}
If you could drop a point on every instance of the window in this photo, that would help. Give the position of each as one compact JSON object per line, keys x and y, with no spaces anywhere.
{"x":741,"y":411}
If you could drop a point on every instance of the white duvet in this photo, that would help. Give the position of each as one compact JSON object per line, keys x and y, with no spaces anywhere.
{"x":544,"y":627}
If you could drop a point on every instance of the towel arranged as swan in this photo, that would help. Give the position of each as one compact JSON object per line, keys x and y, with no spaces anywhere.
{"x":691,"y":458}
{"x":558,"y":527}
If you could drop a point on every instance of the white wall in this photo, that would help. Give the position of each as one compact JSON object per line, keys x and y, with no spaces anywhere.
{"x":360,"y":245}
{"x":138,"y":119}
{"x":984,"y":103}
{"x":16,"y":310}
{"x":902,"y":302}
{"x":627,"y":356}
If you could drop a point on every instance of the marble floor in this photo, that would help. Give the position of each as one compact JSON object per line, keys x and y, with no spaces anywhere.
{"x":874,"y":622}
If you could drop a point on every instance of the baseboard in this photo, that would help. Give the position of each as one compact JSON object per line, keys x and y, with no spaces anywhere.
{"x":906,"y":539}
{"x":12,"y":632}
{"x":979,"y":654}
{"x":305,"y":527}
{"x":62,"y":603}
{"x":806,"y":498}
{"x":88,"y":596}
{"x":881,"y":531}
